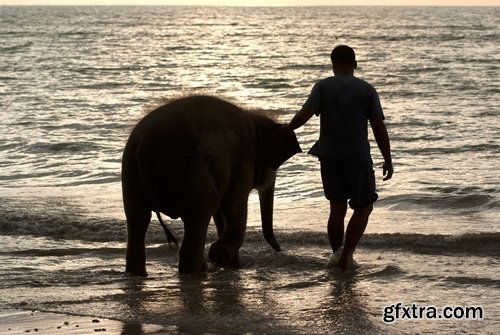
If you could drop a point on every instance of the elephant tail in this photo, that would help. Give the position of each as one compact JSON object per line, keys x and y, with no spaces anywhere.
{"x":170,"y":236}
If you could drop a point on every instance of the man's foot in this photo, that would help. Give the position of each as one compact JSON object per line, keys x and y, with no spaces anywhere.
{"x":334,"y":259}
{"x":344,"y":263}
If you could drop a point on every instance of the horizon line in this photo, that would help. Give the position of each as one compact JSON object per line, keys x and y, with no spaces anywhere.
{"x":263,"y":6}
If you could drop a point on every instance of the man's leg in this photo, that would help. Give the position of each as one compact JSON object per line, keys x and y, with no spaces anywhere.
{"x":355,"y":230}
{"x":338,"y":210}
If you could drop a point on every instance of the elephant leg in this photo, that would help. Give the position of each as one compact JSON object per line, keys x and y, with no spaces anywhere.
{"x":224,"y":252}
{"x":137,"y":212}
{"x":137,"y":225}
{"x":220,"y":223}
{"x":192,"y":250}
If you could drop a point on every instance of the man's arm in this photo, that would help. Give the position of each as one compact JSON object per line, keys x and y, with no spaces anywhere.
{"x":384,"y":144}
{"x":299,"y":119}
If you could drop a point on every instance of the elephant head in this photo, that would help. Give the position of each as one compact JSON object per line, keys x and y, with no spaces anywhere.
{"x":275,"y":151}
{"x":272,"y":152}
{"x":195,"y":158}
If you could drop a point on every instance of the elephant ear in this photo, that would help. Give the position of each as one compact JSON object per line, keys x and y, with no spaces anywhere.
{"x":282,"y":147}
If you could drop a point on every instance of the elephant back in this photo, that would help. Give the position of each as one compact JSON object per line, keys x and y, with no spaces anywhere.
{"x":189,"y":150}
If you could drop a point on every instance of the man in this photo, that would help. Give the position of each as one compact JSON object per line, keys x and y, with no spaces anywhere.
{"x":345,"y":104}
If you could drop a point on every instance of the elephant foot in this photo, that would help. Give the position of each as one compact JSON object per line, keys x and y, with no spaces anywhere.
{"x":136,"y":262}
{"x":136,"y":270}
{"x":189,"y":267}
{"x":223,"y":255}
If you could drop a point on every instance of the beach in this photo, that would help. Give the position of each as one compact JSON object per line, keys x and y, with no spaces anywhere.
{"x":24,"y":322}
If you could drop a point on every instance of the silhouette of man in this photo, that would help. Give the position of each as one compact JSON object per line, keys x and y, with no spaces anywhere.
{"x":345,"y":104}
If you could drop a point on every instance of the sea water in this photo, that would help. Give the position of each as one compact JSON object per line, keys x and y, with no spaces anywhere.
{"x":75,"y":80}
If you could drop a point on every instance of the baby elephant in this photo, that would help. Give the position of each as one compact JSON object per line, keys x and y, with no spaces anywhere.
{"x":196,"y":158}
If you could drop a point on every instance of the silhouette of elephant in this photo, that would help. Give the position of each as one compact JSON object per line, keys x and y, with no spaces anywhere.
{"x":199,"y":157}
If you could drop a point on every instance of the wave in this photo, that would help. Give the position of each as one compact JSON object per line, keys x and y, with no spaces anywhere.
{"x":75,"y":34}
{"x":63,"y":147}
{"x":473,"y":244}
{"x":485,"y":244}
{"x":78,"y":226}
{"x":15,"y":48}
{"x":307,"y":67}
{"x":269,"y":83}
{"x":61,"y":252}
{"x":442,"y":150}
{"x":465,"y":280}
{"x":441,"y":199}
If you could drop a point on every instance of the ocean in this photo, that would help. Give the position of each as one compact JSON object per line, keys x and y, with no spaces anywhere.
{"x":75,"y":80}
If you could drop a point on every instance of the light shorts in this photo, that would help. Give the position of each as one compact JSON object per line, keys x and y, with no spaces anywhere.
{"x":344,"y":181}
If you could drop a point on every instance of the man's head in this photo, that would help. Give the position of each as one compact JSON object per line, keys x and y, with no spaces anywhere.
{"x":343,"y":57}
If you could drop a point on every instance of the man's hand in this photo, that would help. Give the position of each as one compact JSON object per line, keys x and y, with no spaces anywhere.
{"x":280,"y":133}
{"x":382,"y":138}
{"x":388,"y":170}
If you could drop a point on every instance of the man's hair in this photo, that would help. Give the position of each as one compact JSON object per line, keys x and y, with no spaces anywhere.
{"x":343,"y":54}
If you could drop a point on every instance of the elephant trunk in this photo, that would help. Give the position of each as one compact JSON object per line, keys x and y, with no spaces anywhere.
{"x":266,"y":197}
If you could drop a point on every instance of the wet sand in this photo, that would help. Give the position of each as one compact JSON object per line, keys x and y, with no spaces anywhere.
{"x":35,"y":322}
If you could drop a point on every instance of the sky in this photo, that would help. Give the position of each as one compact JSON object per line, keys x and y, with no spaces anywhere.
{"x":258,"y":2}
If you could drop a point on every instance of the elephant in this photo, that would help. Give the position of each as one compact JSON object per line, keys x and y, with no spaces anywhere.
{"x":196,"y":158}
